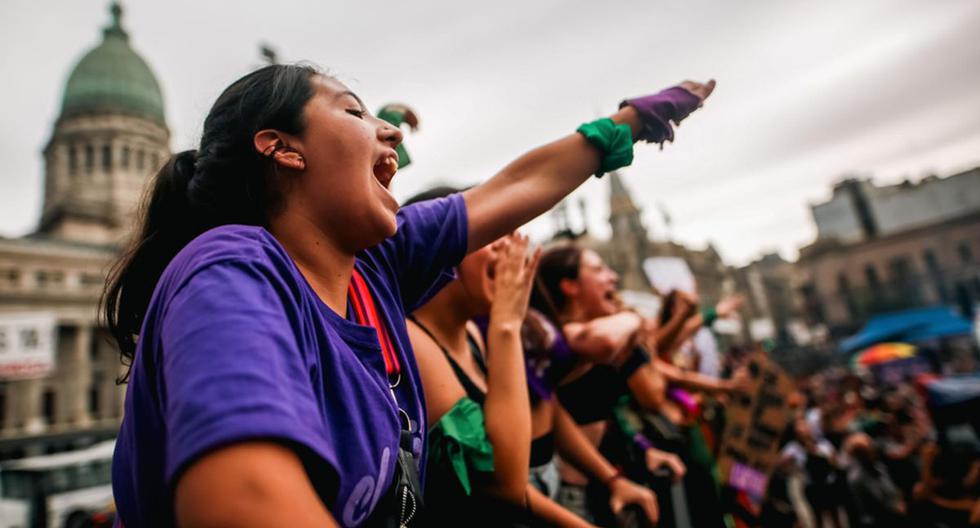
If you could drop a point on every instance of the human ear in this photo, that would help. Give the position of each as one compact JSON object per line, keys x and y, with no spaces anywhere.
{"x":272,"y":144}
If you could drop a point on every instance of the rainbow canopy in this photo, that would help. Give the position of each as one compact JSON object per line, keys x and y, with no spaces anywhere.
{"x":883,"y":353}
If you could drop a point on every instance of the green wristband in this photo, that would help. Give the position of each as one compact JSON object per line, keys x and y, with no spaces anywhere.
{"x":710,"y":315}
{"x":615,"y":142}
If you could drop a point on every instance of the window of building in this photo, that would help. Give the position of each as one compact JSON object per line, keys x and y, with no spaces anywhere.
{"x":871,"y":275}
{"x":140,"y":159}
{"x":89,"y":158}
{"x":966,"y":254}
{"x":11,"y":277}
{"x":93,"y":345}
{"x":92,"y":279}
{"x":155,"y":162}
{"x":124,"y":157}
{"x":843,"y":285}
{"x":3,"y":409}
{"x":94,"y":396}
{"x":48,"y":406}
{"x":106,"y":157}
{"x":932,"y":263}
{"x":901,"y":269}
{"x":41,"y":279}
{"x":72,"y":159}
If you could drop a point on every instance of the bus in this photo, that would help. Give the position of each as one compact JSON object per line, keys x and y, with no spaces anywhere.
{"x":63,"y":490}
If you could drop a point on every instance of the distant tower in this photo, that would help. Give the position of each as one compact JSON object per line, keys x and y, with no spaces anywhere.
{"x":629,"y":241}
{"x":110,"y":136}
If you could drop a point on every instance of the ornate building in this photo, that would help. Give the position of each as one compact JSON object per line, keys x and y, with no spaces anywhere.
{"x":630,"y":245}
{"x":109,"y":137}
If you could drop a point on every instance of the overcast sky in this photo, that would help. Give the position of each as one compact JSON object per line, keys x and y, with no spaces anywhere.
{"x":807,"y":91}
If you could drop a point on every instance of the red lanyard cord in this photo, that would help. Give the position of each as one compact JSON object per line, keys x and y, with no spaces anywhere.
{"x":367,"y":314}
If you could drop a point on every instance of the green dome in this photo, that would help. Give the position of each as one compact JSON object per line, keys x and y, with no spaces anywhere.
{"x":112,"y":78}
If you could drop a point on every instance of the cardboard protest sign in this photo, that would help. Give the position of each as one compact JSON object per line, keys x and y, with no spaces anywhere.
{"x":755,"y":421}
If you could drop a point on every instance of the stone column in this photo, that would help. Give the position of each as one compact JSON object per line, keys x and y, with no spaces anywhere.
{"x":79,"y":378}
{"x":25,"y":400}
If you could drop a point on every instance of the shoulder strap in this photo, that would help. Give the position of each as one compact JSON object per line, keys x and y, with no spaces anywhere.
{"x":472,"y":391}
{"x":477,"y":353}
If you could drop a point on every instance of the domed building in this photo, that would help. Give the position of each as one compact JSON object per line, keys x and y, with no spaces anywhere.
{"x":110,"y":134}
{"x":57,"y":369}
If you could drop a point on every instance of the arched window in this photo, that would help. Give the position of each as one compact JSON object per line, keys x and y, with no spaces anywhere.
{"x":106,"y":157}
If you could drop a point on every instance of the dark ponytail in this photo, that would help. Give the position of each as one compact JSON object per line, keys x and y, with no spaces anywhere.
{"x":224,"y":182}
{"x":556,"y":264}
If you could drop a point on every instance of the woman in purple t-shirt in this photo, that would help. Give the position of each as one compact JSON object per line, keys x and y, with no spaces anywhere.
{"x":262,"y":301}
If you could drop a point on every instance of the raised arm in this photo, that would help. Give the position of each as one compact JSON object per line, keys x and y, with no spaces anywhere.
{"x":536,"y":181}
{"x":507,"y":409}
{"x":604,"y":339}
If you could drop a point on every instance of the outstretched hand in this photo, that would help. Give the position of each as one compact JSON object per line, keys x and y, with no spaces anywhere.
{"x":729,"y":305}
{"x":702,"y":90}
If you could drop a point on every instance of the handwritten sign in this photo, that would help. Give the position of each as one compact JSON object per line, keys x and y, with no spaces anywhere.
{"x":755,"y":421}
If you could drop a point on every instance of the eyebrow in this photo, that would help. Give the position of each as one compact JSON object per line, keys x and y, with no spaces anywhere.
{"x":354,"y":95}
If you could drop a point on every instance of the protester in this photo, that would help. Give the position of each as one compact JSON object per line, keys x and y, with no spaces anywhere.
{"x":268,"y":267}
{"x":877,"y":501}
{"x":479,"y":414}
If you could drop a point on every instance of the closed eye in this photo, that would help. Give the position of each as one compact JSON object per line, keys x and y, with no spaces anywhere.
{"x":358,"y":113}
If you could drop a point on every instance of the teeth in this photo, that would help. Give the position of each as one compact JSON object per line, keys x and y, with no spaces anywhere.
{"x":392,"y":166}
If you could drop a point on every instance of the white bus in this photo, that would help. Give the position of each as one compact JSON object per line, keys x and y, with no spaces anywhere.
{"x":62,"y":490}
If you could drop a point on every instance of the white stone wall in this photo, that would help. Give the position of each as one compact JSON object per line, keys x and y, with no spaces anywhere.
{"x":66,"y":279}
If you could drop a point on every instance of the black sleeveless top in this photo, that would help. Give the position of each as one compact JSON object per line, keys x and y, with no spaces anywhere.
{"x":592,"y":397}
{"x":446,"y":502}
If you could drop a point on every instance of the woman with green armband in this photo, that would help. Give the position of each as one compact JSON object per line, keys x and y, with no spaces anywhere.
{"x":480,"y":422}
{"x":479,"y":416}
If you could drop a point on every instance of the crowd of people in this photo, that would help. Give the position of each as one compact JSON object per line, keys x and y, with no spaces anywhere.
{"x":863,"y":453}
{"x":305,"y":352}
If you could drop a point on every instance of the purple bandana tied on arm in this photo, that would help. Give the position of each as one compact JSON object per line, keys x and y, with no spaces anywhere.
{"x":658,"y":110}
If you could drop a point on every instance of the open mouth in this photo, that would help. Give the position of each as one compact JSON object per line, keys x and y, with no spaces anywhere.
{"x":385,"y":169}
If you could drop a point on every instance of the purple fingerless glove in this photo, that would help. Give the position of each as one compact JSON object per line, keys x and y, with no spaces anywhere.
{"x":658,"y":110}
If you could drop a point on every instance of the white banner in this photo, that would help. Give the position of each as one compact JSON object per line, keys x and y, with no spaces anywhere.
{"x":669,"y":273}
{"x":27,"y":344}
{"x":761,"y":329}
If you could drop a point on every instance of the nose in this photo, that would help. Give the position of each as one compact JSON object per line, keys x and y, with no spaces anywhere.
{"x":389,"y":134}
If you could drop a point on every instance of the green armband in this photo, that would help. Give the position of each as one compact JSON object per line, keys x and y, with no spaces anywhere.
{"x":710,"y":315}
{"x":615,"y":142}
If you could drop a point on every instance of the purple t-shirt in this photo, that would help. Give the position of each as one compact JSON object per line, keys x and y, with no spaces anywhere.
{"x":242,"y":348}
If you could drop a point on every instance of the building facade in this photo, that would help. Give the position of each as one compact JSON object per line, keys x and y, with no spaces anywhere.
{"x":889,"y":248}
{"x":109,"y":137}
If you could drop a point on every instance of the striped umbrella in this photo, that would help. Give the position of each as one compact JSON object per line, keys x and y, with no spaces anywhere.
{"x":883,"y":353}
